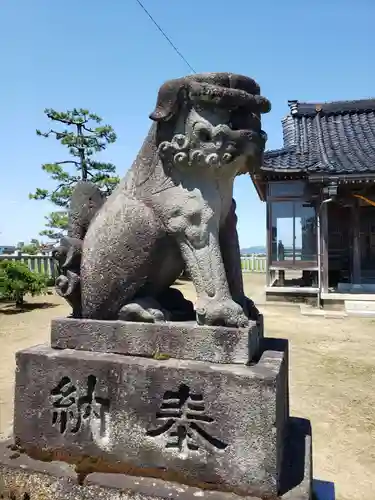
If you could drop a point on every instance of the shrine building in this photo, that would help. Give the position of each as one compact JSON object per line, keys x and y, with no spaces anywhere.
{"x":320,"y":194}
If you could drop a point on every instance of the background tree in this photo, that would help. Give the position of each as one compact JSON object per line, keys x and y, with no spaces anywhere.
{"x":84,"y":136}
{"x":16,"y":280}
{"x":31,"y":248}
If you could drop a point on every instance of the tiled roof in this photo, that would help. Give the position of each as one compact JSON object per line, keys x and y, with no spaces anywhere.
{"x":334,"y":137}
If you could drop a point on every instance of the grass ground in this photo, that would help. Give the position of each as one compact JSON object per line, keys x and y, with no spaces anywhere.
{"x":332,"y":380}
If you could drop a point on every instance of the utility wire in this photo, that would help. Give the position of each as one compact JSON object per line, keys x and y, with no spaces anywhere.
{"x":166,"y":36}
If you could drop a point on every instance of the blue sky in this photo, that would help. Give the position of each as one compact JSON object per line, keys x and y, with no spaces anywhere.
{"x":108,"y":57}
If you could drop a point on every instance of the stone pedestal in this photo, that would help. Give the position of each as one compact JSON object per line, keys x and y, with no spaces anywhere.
{"x":112,"y":399}
{"x":185,"y":340}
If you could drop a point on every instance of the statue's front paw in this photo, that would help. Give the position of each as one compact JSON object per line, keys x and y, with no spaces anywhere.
{"x":221,"y":313}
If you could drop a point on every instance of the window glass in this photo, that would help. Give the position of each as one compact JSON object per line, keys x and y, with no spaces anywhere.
{"x":282,"y":230}
{"x":305,"y":232}
{"x":293,"y":232}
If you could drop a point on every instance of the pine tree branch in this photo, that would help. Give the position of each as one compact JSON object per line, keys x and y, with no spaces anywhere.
{"x":53,"y":117}
{"x":59,"y":135}
{"x":63,"y":184}
{"x":76,"y":163}
{"x":90,"y":130}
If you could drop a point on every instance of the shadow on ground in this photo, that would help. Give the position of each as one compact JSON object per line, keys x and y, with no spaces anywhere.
{"x":10,"y":309}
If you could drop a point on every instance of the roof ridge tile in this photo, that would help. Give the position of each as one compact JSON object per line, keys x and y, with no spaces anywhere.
{"x":300,"y":108}
{"x":328,"y":140}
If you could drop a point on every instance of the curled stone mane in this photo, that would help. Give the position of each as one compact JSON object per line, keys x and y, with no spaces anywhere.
{"x":225,"y":90}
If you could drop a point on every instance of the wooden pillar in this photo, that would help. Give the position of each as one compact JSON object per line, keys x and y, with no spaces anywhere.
{"x":356,"y":263}
{"x":324,"y":248}
{"x":268,"y":244}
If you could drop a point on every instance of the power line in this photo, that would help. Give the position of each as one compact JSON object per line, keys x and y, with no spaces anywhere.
{"x":166,"y":36}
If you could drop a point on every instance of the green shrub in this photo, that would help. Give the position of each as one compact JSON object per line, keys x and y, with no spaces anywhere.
{"x":16,"y":280}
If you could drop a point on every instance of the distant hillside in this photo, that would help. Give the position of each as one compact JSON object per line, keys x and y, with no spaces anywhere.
{"x":250,"y":250}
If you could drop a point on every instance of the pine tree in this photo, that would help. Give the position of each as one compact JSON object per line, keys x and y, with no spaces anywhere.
{"x":84,"y":136}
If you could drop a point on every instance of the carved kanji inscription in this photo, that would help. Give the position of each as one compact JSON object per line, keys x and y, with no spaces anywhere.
{"x":72,"y":407}
{"x":183,"y":418}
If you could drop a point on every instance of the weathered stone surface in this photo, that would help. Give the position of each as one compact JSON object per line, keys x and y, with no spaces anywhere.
{"x":187,"y":421}
{"x":179,"y":340}
{"x":174,"y":209}
{"x":85,"y":201}
{"x":22,"y":477}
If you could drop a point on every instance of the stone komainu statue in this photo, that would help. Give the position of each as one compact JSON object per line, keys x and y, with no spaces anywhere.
{"x":84,"y":204}
{"x":174,"y":209}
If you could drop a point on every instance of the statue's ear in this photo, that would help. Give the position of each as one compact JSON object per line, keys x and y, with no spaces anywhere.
{"x":169,"y":98}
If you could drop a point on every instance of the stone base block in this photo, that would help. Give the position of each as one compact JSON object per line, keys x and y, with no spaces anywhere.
{"x":180,"y":340}
{"x":23,"y":478}
{"x":192,"y":422}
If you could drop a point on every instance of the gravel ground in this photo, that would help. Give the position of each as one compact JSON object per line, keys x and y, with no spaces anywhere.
{"x":332,"y":380}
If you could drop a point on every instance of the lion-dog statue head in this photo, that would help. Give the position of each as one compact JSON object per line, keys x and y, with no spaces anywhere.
{"x":215,"y":118}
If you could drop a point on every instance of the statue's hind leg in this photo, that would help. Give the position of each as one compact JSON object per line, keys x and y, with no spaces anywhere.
{"x":145,"y":310}
{"x":117,"y":256}
{"x":169,"y":305}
